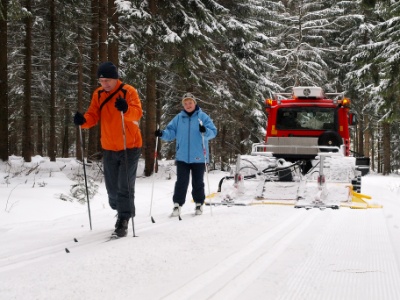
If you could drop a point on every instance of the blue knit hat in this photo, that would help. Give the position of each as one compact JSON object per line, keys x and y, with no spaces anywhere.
{"x":107,"y":70}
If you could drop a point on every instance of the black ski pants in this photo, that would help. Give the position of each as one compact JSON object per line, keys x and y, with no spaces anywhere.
{"x":115,"y":175}
{"x":182,"y":182}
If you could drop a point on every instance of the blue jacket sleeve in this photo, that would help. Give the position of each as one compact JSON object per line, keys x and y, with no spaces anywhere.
{"x":169,"y":133}
{"x":211,"y":130}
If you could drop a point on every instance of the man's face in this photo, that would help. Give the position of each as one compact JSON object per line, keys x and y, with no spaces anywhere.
{"x":108,"y":84}
{"x":189,"y":105}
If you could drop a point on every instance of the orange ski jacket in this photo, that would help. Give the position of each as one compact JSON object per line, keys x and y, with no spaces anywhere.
{"x":111,"y":120}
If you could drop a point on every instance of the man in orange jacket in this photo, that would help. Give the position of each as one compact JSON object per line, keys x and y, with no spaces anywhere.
{"x":109,"y":101}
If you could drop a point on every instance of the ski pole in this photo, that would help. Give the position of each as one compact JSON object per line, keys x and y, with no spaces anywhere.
{"x":205,"y":164}
{"x":154,"y":176}
{"x":84,"y":173}
{"x":127,"y":172}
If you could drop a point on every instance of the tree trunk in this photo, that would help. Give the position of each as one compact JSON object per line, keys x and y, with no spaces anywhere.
{"x":150,"y":122}
{"x":103,"y":51}
{"x":67,"y":121}
{"x":151,"y":100}
{"x":114,"y":33}
{"x":373,"y":143}
{"x":158,"y":123}
{"x":379,"y":148}
{"x":94,"y":60}
{"x":4,"y":151}
{"x":367,"y":137}
{"x":39,"y":144}
{"x":97,"y":7}
{"x":223,"y":152}
{"x":243,"y":136}
{"x":52,"y":138}
{"x":94,"y":49}
{"x":80,"y":89}
{"x":27,"y":125}
{"x":354,"y":138}
{"x":94,"y":133}
{"x":360,"y":137}
{"x":386,"y":148}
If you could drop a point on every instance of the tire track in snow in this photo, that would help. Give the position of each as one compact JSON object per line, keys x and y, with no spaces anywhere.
{"x":233,"y":274}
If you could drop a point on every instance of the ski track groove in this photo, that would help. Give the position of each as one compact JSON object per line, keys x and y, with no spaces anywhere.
{"x":38,"y":254}
{"x":340,"y":263}
{"x":344,"y":263}
{"x":337,"y":267}
{"x":232,"y":275}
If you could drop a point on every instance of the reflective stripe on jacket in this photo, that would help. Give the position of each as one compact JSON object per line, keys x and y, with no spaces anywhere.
{"x":111,"y":120}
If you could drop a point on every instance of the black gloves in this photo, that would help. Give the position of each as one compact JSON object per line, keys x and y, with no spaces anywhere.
{"x":79,"y":119}
{"x":202,"y":128}
{"x":121,"y":104}
{"x":158,"y":133}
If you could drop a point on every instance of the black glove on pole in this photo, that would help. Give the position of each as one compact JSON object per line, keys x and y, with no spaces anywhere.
{"x":158,"y":133}
{"x":121,"y":104}
{"x":202,"y":128}
{"x":79,"y":119}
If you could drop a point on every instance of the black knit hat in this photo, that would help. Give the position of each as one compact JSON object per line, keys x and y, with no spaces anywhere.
{"x":107,"y":70}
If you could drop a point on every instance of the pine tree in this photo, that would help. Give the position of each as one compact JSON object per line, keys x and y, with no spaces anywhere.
{"x":171,"y":44}
{"x":388,"y":60}
{"x":244,"y":76}
{"x":27,"y":104}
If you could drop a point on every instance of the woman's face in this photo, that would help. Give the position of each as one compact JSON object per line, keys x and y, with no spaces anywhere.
{"x":189,"y":105}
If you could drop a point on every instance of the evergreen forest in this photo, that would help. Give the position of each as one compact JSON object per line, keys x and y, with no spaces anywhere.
{"x":231,"y":54}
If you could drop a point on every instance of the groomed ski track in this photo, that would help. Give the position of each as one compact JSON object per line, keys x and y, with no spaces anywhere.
{"x":325,"y":266}
{"x":254,"y":252}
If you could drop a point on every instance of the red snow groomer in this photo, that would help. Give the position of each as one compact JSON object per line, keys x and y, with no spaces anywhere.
{"x":308,"y":121}
{"x":306,"y":152}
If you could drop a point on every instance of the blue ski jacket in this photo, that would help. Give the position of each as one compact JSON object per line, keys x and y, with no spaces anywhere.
{"x":189,"y":140}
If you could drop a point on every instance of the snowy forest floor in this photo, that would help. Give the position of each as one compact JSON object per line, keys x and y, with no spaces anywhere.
{"x":238,"y":252}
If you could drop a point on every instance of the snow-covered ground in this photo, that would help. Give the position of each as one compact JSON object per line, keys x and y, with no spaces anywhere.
{"x":238,"y":252}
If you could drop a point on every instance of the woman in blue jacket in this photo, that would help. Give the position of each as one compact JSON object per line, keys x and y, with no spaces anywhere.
{"x":188,"y":128}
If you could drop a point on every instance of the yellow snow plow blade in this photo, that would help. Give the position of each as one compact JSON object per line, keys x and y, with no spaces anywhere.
{"x":355,"y":201}
{"x":273,"y":202}
{"x":212,"y":195}
{"x":360,"y":201}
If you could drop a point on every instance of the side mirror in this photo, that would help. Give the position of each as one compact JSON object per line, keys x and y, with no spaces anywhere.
{"x":352,"y":119}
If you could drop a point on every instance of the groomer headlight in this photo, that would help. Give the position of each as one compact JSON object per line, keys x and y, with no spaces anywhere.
{"x":346,"y":102}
